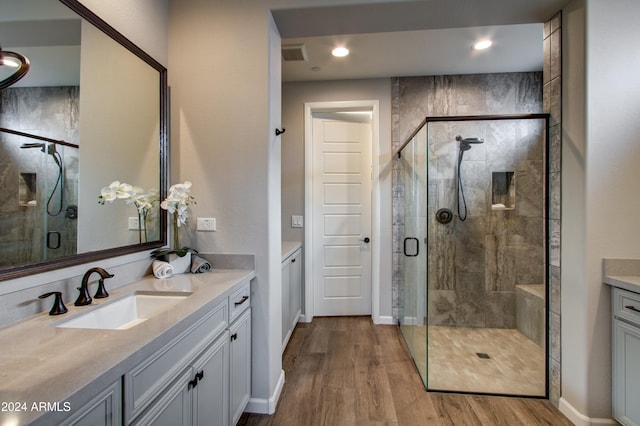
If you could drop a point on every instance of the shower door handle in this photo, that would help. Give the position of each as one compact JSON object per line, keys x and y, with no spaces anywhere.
{"x":417,"y":247}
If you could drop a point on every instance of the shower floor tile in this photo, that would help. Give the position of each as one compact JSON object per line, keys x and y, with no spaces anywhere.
{"x":515,"y":364}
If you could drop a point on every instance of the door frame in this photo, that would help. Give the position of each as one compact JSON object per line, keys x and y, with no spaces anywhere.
{"x":338,"y":106}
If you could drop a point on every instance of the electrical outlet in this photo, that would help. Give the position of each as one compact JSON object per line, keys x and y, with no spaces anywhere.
{"x":206,"y":224}
{"x":297,"y":222}
{"x":134,"y":224}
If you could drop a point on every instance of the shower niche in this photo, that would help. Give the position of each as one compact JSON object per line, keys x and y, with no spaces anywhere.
{"x":503,"y":191}
{"x":27,"y":193}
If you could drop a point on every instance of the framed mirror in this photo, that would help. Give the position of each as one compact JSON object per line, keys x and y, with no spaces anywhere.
{"x":92,"y":110}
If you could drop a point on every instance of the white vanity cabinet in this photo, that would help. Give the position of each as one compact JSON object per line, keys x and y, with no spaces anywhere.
{"x":626,"y":356}
{"x":104,"y":409}
{"x":203,"y":377}
{"x":291,"y":294}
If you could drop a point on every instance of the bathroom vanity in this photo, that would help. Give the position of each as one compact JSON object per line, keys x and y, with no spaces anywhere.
{"x":188,"y":364}
{"x":624,"y":277}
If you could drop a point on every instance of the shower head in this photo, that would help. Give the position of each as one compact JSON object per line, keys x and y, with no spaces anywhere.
{"x":469,"y":140}
{"x":33,"y":145}
{"x":465,"y":144}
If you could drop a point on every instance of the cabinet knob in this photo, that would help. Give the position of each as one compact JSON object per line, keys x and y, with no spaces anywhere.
{"x":234,"y":336}
{"x":193,"y":383}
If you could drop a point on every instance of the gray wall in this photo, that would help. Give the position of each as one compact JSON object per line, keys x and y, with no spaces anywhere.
{"x":294,"y":96}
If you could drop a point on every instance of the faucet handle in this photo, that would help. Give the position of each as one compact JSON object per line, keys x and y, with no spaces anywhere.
{"x":83,"y":298}
{"x":58,"y":306}
{"x":101,"y":293}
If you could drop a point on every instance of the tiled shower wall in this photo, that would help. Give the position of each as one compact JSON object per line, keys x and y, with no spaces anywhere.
{"x":476,"y":264}
{"x":415,"y":98}
{"x":51,"y":112}
{"x":552,"y":78}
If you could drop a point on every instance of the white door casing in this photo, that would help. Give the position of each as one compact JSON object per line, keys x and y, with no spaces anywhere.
{"x":341,"y":205}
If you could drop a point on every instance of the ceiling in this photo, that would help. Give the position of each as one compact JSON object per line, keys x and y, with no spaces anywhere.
{"x":422,"y":37}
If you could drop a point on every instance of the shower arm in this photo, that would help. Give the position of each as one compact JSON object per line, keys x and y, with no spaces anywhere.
{"x":40,"y":138}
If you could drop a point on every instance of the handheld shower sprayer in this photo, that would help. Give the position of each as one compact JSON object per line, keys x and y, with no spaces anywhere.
{"x":465,"y":145}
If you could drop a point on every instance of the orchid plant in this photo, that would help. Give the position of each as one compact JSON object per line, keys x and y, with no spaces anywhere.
{"x":143,"y":202}
{"x":177,"y":204}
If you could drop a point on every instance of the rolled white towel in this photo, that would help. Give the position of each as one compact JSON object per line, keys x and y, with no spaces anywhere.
{"x":199,"y":265}
{"x":162,"y":269}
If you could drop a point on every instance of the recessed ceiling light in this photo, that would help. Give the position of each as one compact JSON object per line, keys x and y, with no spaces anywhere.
{"x":481,"y":45}
{"x":340,"y":52}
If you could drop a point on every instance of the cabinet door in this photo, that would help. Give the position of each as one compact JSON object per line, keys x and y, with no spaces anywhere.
{"x":295,"y":289}
{"x":626,"y":373}
{"x":105,"y":409}
{"x":286,"y":325}
{"x":173,"y":407}
{"x":240,"y":363}
{"x":211,"y":394}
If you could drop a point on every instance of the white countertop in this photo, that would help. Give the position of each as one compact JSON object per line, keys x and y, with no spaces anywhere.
{"x":622,"y":273}
{"x":42,"y":363}
{"x":289,"y":247}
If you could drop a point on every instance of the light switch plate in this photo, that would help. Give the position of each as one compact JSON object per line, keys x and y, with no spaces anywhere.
{"x":297,"y":221}
{"x":207,"y":224}
{"x":134,"y":223}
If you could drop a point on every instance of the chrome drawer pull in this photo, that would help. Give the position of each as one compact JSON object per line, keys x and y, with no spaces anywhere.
{"x":633,"y":308}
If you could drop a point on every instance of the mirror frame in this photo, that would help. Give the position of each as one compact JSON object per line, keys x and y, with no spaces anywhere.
{"x":11,"y":272}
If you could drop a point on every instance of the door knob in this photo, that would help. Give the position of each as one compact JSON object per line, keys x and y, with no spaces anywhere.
{"x":366,"y":240}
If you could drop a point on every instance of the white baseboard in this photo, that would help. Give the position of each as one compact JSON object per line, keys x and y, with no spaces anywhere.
{"x":579,"y":419}
{"x":384,"y":320}
{"x":266,"y":406}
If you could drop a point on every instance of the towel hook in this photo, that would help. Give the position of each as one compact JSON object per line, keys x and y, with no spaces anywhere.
{"x":279,"y":132}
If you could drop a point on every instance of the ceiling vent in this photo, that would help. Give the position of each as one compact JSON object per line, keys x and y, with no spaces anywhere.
{"x":294,"y":52}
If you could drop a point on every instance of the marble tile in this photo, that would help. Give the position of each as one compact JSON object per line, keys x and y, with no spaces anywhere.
{"x":555,"y":149}
{"x":501,"y":310}
{"x":554,"y":336}
{"x":555,"y":196}
{"x":555,"y":390}
{"x":555,"y":64}
{"x":500,"y":258}
{"x":556,"y":22}
{"x":529,"y":190}
{"x":554,"y":289}
{"x":442,"y":307}
{"x":554,"y":242}
{"x":530,"y":314}
{"x":470,"y":295}
{"x":470,"y":245}
{"x":555,"y":101}
{"x":546,"y":64}
{"x":442,"y":274}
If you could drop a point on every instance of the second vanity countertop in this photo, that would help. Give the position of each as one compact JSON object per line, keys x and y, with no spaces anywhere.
{"x":42,"y":363}
{"x":289,"y":247}
{"x":622,"y":273}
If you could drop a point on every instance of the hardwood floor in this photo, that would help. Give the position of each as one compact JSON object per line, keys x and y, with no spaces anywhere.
{"x":346,"y":371}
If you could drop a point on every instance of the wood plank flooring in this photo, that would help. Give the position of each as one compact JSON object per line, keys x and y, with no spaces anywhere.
{"x":343,"y":371}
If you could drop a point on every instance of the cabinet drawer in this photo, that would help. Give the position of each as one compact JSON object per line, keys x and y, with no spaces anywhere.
{"x":239,"y":301}
{"x":144,"y":382}
{"x":626,"y":305}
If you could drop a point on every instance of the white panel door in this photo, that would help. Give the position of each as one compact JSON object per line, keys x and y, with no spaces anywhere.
{"x":342,"y":217}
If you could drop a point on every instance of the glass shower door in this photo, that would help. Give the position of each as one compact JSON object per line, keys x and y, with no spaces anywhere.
{"x":412,"y":251}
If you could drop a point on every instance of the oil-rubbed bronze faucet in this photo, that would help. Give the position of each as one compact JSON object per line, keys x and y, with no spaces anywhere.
{"x":84,"y":298}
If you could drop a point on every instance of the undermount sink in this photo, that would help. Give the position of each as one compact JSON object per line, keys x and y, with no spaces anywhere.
{"x":126,"y":312}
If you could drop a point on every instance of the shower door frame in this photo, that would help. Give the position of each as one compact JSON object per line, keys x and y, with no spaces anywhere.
{"x":546,"y":210}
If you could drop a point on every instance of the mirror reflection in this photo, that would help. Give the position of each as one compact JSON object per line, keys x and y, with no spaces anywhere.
{"x":87,"y":113}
